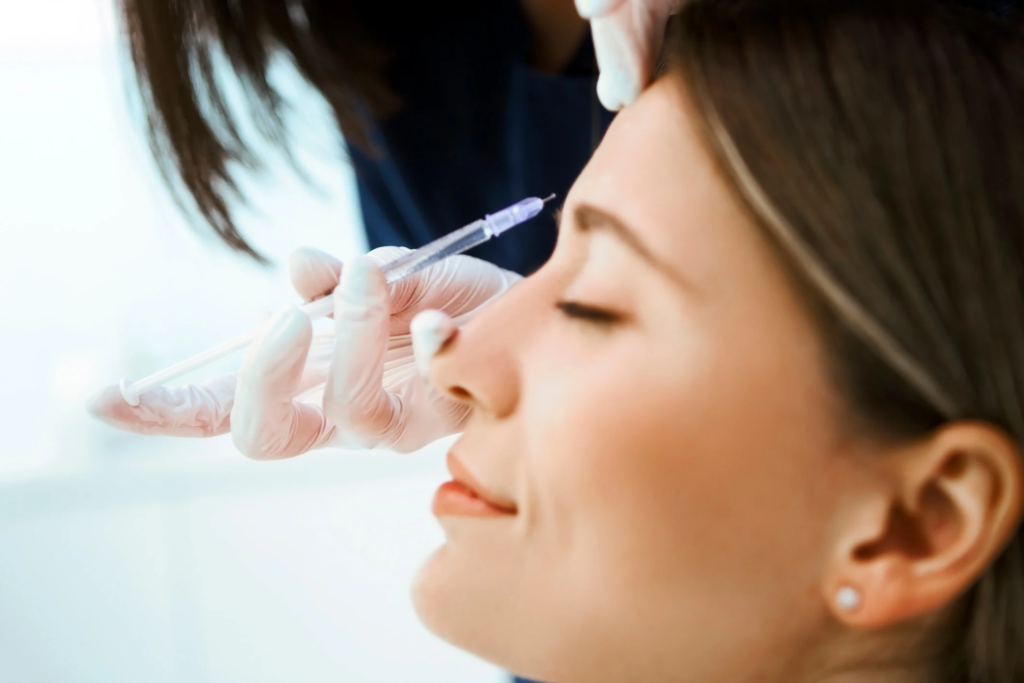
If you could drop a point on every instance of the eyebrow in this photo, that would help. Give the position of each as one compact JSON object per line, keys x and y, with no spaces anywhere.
{"x":589,"y":217}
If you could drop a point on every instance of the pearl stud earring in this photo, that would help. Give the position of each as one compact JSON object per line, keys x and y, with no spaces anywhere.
{"x":848,"y":598}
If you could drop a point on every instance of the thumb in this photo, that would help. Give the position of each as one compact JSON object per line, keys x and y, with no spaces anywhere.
{"x":627,"y":42}
{"x":354,"y":398}
{"x":591,"y":9}
{"x":430,"y":331}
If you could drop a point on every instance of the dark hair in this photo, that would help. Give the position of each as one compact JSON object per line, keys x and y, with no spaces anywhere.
{"x":195,"y":139}
{"x":881,"y":147}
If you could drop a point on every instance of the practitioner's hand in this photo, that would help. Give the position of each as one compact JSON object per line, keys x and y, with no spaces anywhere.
{"x":355,"y":385}
{"x":627,"y":39}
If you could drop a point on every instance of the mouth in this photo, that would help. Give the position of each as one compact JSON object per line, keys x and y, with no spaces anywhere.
{"x":465,"y":497}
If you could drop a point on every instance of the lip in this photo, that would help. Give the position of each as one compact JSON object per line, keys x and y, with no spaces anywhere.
{"x":464,"y":496}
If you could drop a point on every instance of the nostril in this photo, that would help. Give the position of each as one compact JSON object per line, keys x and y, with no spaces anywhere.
{"x":459,"y":393}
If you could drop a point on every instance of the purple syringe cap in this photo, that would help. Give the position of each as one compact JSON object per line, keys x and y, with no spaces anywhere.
{"x":520,"y":212}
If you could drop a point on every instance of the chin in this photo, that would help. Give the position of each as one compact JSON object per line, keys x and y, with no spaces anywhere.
{"x":490,"y":608}
{"x":468,"y":607}
{"x":428,"y":593}
{"x":447,"y":606}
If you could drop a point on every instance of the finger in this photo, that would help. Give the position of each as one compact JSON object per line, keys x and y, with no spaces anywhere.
{"x":627,"y":41}
{"x":589,"y":9}
{"x":620,"y":59}
{"x":354,"y":397}
{"x":266,"y":421}
{"x":199,"y":410}
{"x":430,"y":331}
{"x":313,"y":273}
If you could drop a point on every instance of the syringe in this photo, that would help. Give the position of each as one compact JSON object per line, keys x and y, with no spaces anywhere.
{"x":461,"y":240}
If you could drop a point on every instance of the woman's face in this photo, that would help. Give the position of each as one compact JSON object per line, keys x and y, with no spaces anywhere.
{"x":652,"y":412}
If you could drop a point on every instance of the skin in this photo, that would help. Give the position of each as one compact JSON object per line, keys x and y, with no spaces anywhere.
{"x":687,"y":497}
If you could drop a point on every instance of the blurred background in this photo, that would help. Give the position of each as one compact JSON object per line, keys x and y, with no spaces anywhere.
{"x":128,"y":558}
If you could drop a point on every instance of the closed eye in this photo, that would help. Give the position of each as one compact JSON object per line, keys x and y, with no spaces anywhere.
{"x":574,"y":309}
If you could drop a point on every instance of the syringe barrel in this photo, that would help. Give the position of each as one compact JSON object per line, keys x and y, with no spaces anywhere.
{"x":461,"y":240}
{"x":464,"y":239}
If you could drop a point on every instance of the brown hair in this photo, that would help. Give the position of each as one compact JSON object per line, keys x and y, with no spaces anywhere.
{"x":195,"y":139}
{"x":881,"y":147}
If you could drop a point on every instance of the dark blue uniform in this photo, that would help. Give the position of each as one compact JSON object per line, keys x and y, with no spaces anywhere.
{"x":478,"y":129}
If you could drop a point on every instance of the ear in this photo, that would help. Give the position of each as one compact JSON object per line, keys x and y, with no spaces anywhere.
{"x":937,"y":514}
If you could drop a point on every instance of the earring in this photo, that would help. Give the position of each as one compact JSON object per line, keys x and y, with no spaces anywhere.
{"x":848,"y":598}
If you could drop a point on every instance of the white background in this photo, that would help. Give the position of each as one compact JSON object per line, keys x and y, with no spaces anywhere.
{"x":126,"y":558}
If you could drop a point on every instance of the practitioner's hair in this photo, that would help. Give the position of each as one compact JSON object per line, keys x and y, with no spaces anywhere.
{"x":880,"y":145}
{"x":175,"y":46}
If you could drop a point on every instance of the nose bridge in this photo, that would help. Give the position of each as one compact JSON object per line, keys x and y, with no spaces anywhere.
{"x":481,"y":364}
{"x":509,"y":320}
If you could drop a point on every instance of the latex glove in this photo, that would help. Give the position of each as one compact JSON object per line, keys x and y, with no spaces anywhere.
{"x":355,"y":385}
{"x":627,"y":40}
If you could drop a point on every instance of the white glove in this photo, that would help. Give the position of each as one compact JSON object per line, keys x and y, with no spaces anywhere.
{"x":627,"y":39}
{"x":354,"y":386}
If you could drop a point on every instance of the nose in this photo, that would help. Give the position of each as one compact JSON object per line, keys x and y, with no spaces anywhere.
{"x":480,"y":363}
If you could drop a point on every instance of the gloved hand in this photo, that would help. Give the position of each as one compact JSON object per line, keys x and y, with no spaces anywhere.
{"x":353,"y":386}
{"x":627,"y":39}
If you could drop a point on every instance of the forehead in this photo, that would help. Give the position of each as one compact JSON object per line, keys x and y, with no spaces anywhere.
{"x":653,"y":170}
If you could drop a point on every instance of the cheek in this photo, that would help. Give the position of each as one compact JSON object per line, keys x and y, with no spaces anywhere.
{"x":668,"y":469}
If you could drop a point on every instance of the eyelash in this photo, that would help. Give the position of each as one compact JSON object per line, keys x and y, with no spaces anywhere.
{"x":589,"y":314}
